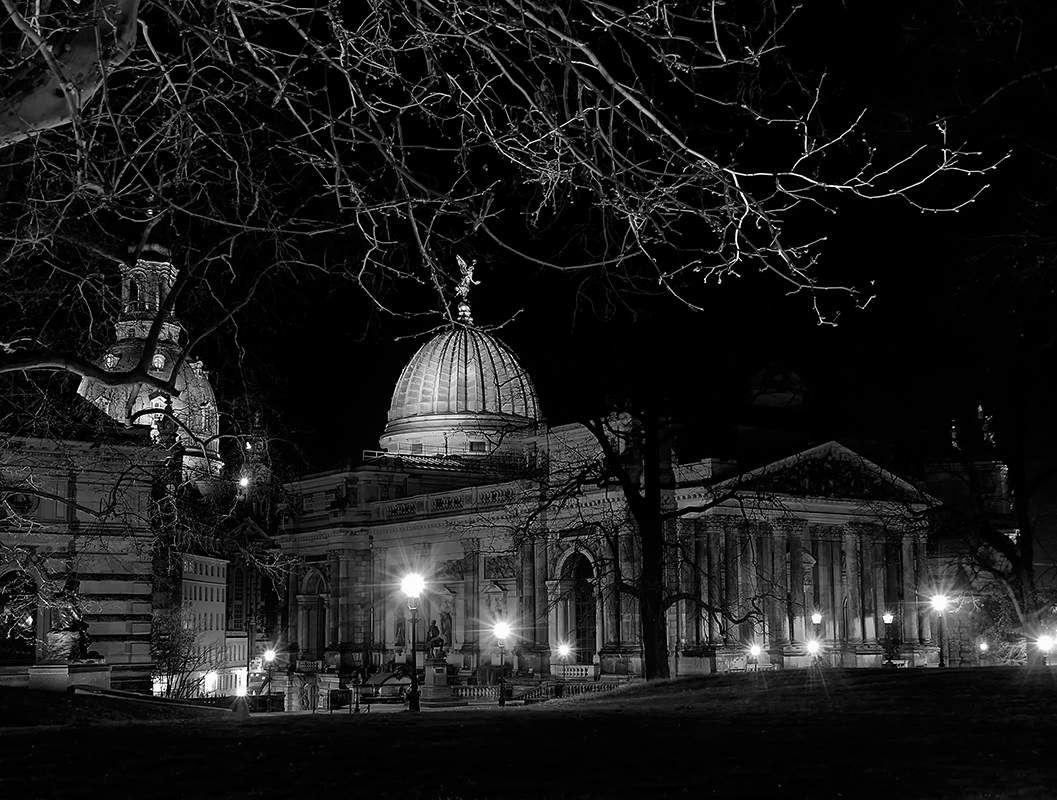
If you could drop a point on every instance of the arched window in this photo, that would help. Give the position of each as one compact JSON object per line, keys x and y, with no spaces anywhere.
{"x":582,"y":640}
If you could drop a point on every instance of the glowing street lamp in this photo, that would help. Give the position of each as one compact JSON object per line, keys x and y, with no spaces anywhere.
{"x":502,"y":630}
{"x":939,"y":605}
{"x":269,"y":659}
{"x":888,"y":618}
{"x":412,"y":586}
{"x":1046,"y":644}
{"x":563,"y":653}
{"x":812,"y":647}
{"x":754,"y":655}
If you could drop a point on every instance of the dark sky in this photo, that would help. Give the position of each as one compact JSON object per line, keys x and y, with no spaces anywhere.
{"x":894,"y":368}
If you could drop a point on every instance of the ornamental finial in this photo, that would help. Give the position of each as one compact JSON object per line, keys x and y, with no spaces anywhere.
{"x":463,"y":289}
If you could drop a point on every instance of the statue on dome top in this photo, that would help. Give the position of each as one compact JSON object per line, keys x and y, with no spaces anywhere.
{"x":463,"y":289}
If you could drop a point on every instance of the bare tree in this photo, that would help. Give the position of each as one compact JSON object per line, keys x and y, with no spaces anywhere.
{"x":675,"y":143}
{"x":182,"y":655}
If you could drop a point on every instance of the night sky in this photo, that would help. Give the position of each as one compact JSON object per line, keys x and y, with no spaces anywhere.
{"x":942,"y":314}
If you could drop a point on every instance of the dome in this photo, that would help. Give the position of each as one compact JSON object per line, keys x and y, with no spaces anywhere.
{"x":460,"y":390}
{"x":195,"y":407}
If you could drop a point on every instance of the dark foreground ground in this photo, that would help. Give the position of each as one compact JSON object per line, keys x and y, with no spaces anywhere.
{"x":903,"y":734}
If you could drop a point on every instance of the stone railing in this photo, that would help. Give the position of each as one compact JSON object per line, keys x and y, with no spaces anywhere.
{"x":476,"y":692}
{"x":447,"y":502}
{"x":573,"y":672}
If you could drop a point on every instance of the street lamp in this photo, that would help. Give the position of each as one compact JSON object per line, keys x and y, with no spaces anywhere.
{"x":563,"y":653}
{"x":888,"y":618}
{"x":812,"y":648}
{"x":1046,"y":644}
{"x":754,"y":656}
{"x":269,"y":659}
{"x":502,"y":630}
{"x":939,"y":604}
{"x":412,"y":586}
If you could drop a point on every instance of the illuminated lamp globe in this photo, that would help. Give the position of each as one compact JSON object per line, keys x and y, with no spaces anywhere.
{"x":812,"y":647}
{"x":412,"y":585}
{"x":564,"y":650}
{"x":816,"y":618}
{"x":940,"y":602}
{"x":754,"y":651}
{"x":502,"y":630}
{"x":888,"y":617}
{"x":1046,"y":643}
{"x":269,"y":655}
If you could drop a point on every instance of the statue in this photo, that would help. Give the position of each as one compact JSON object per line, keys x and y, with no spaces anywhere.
{"x":434,"y":640}
{"x":68,"y":639}
{"x":463,"y":289}
{"x":445,"y":627}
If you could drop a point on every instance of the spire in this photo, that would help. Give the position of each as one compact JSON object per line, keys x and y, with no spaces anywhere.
{"x":463,"y":290}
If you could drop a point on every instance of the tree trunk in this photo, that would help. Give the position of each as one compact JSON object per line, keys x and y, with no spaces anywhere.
{"x":651,"y":534}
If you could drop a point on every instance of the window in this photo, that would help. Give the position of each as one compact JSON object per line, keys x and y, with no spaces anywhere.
{"x":476,"y":447}
{"x":416,"y":448}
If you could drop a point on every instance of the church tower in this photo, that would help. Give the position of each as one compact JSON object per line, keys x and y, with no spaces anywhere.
{"x":145,"y":283}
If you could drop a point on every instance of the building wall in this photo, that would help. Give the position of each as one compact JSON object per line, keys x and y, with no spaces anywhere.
{"x":89,"y":518}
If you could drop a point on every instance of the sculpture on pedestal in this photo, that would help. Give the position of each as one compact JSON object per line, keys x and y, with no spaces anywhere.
{"x":68,"y":638}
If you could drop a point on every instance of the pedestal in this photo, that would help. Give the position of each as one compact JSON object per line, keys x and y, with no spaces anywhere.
{"x":436,"y":687}
{"x":58,"y":676}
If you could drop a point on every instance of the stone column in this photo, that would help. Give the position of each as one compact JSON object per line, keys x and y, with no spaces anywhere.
{"x":543,"y":598}
{"x":881,"y":602}
{"x":732,"y":569}
{"x":334,"y":597}
{"x":610,"y":601}
{"x":714,"y":577}
{"x":840,"y":633}
{"x":765,"y":573}
{"x":824,"y":550}
{"x":378,"y":601}
{"x":869,"y":580}
{"x":700,"y":582}
{"x":911,"y":634}
{"x":472,"y":601}
{"x":854,"y":587}
{"x":922,"y":575}
{"x":293,"y":620}
{"x":525,"y":581}
{"x":796,"y":583}
{"x":780,"y":588}
{"x":341,"y":586}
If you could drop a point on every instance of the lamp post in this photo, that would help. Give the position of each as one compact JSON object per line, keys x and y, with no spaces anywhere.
{"x":888,"y":618}
{"x":939,"y":604}
{"x":412,"y":586}
{"x":816,"y":620}
{"x":563,"y":653}
{"x":269,"y":659}
{"x":502,"y":630}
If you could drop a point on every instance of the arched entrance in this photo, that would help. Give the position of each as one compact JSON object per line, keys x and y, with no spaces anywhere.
{"x":581,"y":611}
{"x":18,"y":618}
{"x":313,"y":607}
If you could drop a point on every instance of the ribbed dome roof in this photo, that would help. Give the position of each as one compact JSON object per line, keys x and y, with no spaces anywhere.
{"x":464,"y":371}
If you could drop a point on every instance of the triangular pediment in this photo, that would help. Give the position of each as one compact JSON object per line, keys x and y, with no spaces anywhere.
{"x":830,"y":471}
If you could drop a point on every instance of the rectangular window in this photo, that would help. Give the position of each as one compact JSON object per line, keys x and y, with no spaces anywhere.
{"x":476,"y":447}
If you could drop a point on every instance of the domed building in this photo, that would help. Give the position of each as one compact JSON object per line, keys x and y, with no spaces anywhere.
{"x":144,"y":287}
{"x":527,"y":547}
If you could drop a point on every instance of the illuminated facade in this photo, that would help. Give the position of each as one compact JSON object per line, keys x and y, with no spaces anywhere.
{"x":457,"y":494}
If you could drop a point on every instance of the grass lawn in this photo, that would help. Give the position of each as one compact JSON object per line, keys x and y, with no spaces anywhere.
{"x":900,"y":734}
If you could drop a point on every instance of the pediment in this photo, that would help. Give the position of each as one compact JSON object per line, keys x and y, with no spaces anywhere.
{"x":830,"y":471}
